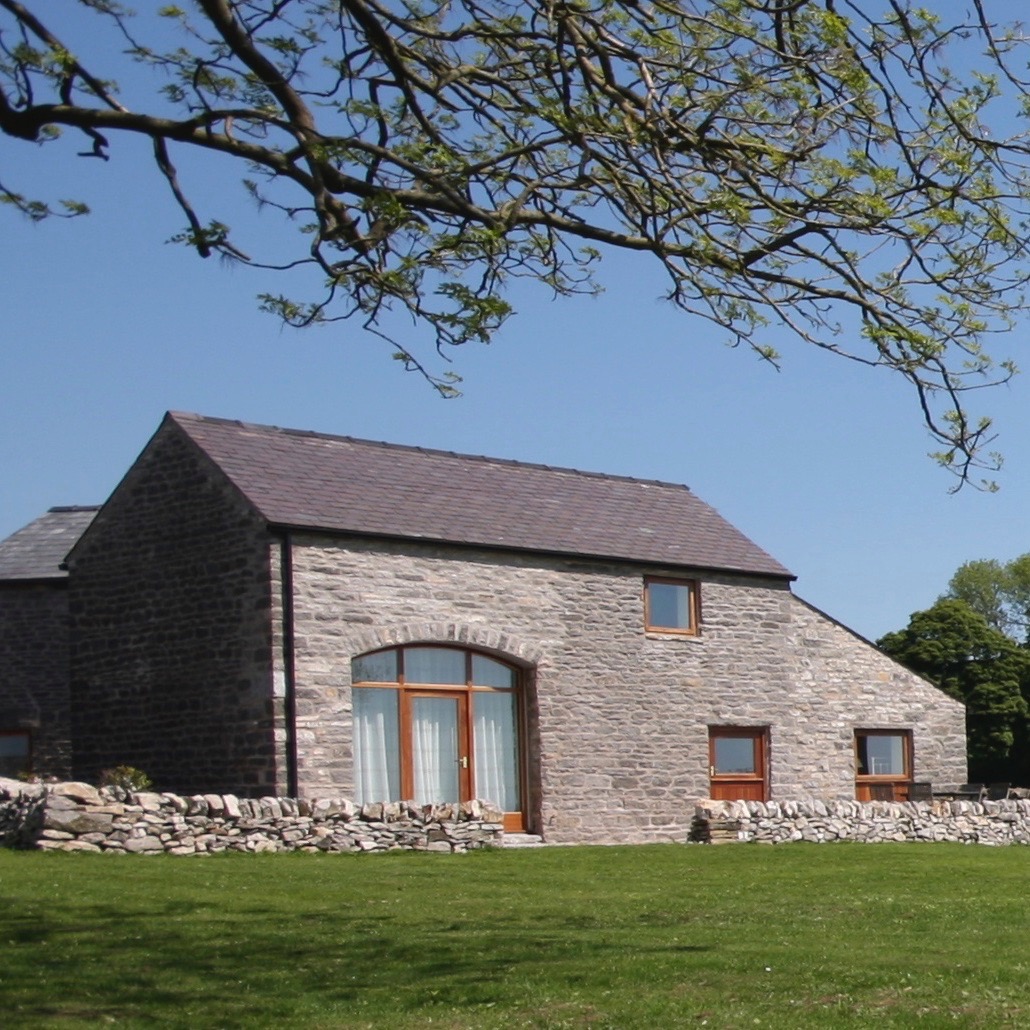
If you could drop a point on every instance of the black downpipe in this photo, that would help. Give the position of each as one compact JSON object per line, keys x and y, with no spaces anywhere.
{"x":289,"y":667}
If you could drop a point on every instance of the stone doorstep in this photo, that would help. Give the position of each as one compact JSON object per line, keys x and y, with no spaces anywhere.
{"x":522,"y":840}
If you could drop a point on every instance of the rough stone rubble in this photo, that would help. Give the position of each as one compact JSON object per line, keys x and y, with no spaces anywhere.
{"x":79,"y":817}
{"x":779,"y":822}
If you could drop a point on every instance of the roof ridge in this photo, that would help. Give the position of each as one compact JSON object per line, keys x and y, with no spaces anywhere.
{"x":401,"y":492}
{"x":412,"y":448}
{"x":74,"y":507}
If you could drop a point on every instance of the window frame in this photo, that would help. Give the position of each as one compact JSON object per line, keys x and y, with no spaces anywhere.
{"x":751,"y":786}
{"x":27,"y":735}
{"x":693,"y":627}
{"x":406,"y":690}
{"x":864,"y":781}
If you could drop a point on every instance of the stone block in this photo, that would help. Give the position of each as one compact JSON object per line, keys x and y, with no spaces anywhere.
{"x":142,"y":845}
{"x":69,"y":845}
{"x":79,"y":821}
{"x":81,"y":793}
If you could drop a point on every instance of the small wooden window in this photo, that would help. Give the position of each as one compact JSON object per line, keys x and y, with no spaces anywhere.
{"x":671,"y":606}
{"x":15,"y":753}
{"x":883,"y":763}
{"x":738,"y":763}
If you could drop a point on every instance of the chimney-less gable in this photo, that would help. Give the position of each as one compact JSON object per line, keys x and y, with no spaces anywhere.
{"x":307,"y":480}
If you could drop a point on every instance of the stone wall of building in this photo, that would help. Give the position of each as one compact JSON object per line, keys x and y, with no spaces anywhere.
{"x":171,"y":658}
{"x":875,"y":822}
{"x":617,"y":719}
{"x":34,"y":692}
{"x":78,"y":817}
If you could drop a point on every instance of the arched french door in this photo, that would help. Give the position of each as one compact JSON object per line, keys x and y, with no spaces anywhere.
{"x":438,"y":724}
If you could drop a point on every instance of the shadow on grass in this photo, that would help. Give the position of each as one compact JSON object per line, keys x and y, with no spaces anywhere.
{"x":172,"y":961}
{"x":562,"y":938}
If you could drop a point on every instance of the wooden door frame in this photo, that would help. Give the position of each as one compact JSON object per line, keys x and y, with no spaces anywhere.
{"x":514,"y":822}
{"x":409,"y":694}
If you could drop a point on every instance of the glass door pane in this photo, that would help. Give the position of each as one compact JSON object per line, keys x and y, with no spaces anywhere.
{"x":496,"y":749}
{"x":377,"y":761}
{"x":435,"y":753}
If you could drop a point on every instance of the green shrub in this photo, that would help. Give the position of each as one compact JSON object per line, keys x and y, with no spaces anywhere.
{"x":127,"y":777}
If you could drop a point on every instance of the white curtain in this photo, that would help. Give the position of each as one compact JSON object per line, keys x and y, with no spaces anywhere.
{"x":496,"y":750}
{"x":377,"y":773}
{"x":434,"y":733}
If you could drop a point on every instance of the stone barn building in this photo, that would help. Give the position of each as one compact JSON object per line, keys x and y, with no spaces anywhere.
{"x":266,"y":611}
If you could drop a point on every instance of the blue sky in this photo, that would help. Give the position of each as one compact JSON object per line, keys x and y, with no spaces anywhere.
{"x":105,"y":326}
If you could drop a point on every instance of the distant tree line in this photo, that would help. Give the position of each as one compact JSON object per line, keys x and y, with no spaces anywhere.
{"x":974,"y":643}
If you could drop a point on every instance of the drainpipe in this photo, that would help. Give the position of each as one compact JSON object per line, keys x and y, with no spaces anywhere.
{"x":289,"y":668}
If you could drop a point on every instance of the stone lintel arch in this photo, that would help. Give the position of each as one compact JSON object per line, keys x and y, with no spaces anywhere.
{"x":478,"y":637}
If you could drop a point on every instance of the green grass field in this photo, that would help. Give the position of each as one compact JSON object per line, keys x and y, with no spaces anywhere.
{"x":661,"y":936}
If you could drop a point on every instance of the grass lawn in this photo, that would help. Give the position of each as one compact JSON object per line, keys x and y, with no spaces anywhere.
{"x":662,"y":936}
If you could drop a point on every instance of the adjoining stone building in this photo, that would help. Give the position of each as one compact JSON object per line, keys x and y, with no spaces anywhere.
{"x":35,"y":719}
{"x":265,"y":611}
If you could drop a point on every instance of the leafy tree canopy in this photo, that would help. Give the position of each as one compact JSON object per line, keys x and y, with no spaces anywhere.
{"x":999,"y":591}
{"x":954,"y":647}
{"x":815,"y":164}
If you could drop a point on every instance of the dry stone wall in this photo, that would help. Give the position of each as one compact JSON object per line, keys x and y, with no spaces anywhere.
{"x":79,"y":817}
{"x":781,"y":822}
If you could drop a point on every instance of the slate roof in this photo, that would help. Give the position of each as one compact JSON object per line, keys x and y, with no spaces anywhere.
{"x":36,"y":551}
{"x":306,"y":480}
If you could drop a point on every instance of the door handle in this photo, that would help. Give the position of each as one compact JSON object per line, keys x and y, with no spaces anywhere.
{"x":463,"y":761}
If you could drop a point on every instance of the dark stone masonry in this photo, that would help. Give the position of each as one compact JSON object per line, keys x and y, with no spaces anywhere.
{"x":170,"y":603}
{"x":34,"y":693}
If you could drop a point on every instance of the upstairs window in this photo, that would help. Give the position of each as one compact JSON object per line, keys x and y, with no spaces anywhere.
{"x":670,"y":606}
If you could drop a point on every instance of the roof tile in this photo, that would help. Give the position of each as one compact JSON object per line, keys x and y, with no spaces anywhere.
{"x":303,"y":479}
{"x":36,"y":551}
